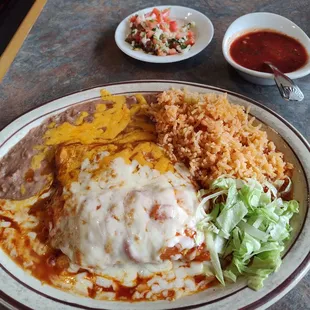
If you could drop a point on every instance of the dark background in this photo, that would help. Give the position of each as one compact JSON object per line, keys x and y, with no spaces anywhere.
{"x":12,"y":13}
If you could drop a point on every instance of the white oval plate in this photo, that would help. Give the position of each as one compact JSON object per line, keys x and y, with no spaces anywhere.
{"x":19,"y":290}
{"x":204,"y":33}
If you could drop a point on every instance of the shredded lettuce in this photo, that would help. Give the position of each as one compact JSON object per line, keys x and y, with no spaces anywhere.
{"x":210,"y":240}
{"x":247,"y":226}
{"x":230,"y":217}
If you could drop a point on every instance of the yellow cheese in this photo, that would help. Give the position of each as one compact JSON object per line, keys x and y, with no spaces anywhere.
{"x":110,"y":124}
{"x":81,"y":117}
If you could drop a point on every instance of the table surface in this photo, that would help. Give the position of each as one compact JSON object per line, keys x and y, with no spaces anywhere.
{"x":71,"y":47}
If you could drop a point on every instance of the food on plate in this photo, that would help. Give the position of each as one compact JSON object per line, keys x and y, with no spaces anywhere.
{"x":253,"y":49}
{"x":126,"y":207}
{"x":156,"y":33}
{"x":143,"y":198}
{"x":215,"y":138}
{"x":245,"y":223}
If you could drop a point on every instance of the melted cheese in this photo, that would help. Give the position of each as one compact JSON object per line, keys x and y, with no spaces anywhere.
{"x":117,"y":124}
{"x":126,"y":215}
{"x":107,"y":124}
{"x":70,"y":157}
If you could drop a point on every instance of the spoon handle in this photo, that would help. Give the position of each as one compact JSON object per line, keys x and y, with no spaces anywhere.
{"x":287,"y":88}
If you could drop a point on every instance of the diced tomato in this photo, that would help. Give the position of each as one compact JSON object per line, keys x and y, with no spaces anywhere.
{"x":164,"y":27}
{"x":166,"y":15}
{"x":173,"y":26}
{"x":157,"y":13}
{"x":133,"y":18}
{"x":149,"y":33}
{"x":172,"y":51}
{"x":190,"y":42}
{"x":190,"y":34}
{"x":151,"y":25}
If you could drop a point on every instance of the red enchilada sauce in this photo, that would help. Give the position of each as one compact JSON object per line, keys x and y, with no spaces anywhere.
{"x":252,"y":49}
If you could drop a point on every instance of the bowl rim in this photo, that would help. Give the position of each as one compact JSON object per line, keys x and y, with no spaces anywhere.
{"x":301,"y":72}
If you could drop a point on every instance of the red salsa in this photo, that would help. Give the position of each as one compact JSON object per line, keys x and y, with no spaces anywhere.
{"x":252,"y":49}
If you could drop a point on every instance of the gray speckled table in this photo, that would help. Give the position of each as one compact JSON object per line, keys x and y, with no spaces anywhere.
{"x":71,"y":47}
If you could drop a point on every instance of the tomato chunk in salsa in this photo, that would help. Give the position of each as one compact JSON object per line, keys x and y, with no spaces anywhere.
{"x":252,"y":49}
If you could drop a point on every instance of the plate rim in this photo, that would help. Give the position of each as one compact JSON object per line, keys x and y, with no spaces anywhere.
{"x":160,"y":59}
{"x":267,"y":299}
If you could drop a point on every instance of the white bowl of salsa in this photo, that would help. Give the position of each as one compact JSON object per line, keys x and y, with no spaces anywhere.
{"x":255,"y":38}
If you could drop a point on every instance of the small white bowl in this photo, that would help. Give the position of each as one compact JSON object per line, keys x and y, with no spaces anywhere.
{"x":203,"y":31}
{"x":270,"y":21}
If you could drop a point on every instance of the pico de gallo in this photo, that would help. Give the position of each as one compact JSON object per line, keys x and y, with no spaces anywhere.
{"x":156,"y":33}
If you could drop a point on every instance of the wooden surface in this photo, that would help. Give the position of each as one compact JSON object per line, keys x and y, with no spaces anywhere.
{"x":71,"y":47}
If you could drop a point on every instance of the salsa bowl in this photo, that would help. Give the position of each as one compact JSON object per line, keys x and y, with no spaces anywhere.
{"x":270,"y":22}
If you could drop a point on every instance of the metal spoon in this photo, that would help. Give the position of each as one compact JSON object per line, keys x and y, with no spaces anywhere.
{"x":287,"y":88}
